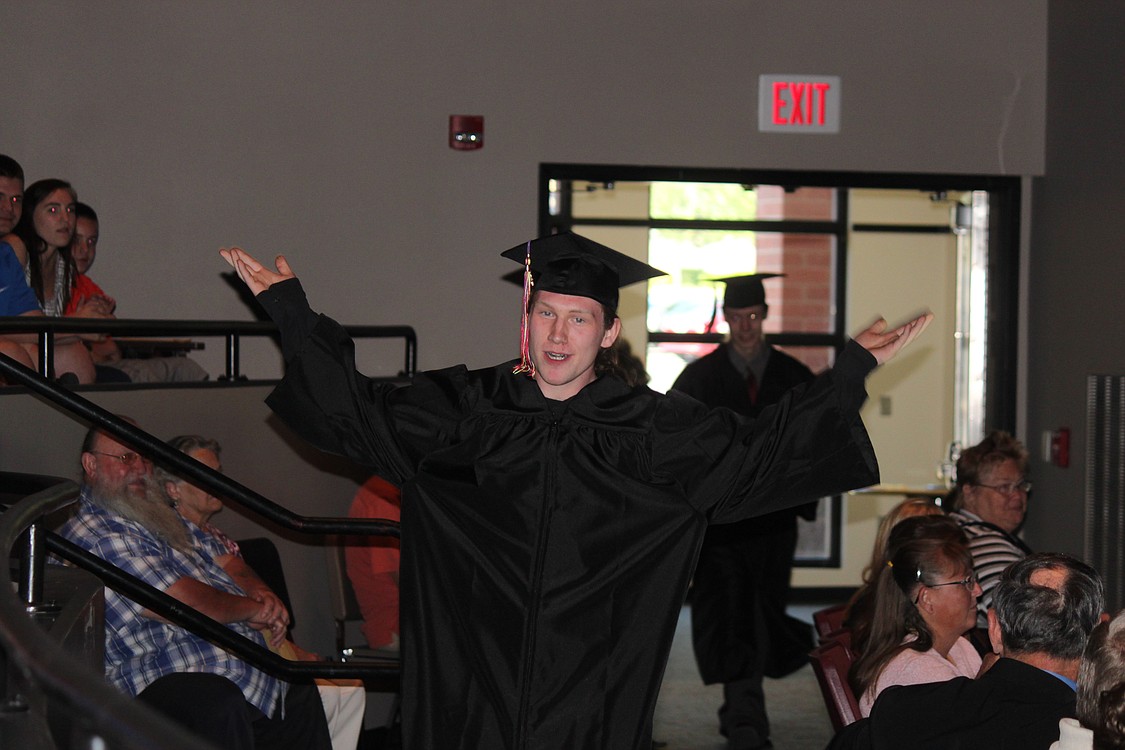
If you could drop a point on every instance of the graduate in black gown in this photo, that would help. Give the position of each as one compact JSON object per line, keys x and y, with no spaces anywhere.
{"x":740,"y":630}
{"x":550,"y":517}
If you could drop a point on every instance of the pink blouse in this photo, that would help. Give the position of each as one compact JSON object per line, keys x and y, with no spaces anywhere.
{"x":912,"y":667}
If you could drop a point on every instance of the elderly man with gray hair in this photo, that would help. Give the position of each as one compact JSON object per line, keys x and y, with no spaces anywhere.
{"x":1044,"y":608}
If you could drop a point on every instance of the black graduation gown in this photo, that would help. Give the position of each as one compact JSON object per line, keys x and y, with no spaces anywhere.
{"x":547,"y":546}
{"x":740,"y":629}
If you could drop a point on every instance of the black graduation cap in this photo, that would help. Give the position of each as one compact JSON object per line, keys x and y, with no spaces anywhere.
{"x":569,"y":263}
{"x":745,"y":290}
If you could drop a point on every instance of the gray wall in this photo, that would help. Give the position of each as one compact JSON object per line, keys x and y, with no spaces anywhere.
{"x":1076,"y":306}
{"x":319,"y":129}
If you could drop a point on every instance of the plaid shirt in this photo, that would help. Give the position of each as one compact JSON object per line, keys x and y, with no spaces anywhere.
{"x":139,"y":649}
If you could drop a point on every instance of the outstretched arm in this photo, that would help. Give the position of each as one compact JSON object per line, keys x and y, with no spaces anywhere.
{"x":884,"y":344}
{"x":254,"y":275}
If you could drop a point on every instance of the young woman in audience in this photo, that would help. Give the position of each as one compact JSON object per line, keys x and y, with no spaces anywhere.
{"x":858,"y":617}
{"x":925,"y":600}
{"x":41,"y":241}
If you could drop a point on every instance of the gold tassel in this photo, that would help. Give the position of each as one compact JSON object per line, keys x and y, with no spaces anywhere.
{"x":526,"y":365}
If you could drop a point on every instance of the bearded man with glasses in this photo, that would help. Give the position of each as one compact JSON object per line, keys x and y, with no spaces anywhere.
{"x":990,"y":502}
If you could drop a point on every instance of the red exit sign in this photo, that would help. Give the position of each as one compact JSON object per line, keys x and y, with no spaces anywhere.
{"x":798,"y":104}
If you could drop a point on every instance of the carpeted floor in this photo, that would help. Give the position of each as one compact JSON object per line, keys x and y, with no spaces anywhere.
{"x":685,"y":712}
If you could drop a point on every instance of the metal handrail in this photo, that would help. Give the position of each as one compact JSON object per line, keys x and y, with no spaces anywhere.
{"x":48,"y":328}
{"x":24,"y":644}
{"x":186,"y":466}
{"x":29,"y":649}
{"x":200,"y":624}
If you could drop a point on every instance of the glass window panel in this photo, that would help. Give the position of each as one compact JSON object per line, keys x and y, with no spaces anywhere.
{"x":685,"y":301}
{"x":816,"y":358}
{"x":665,"y":362}
{"x":609,"y":200}
{"x":702,"y":200}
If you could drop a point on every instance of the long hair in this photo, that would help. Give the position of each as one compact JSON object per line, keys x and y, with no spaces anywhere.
{"x":920,"y":550}
{"x":33,"y":195}
{"x":619,"y":360}
{"x":859,"y":612}
{"x":609,"y":360}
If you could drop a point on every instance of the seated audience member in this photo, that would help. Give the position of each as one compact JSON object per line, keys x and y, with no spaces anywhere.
{"x":41,"y":240}
{"x":16,"y":298}
{"x":344,"y":700}
{"x":858,"y":616}
{"x":70,"y":354}
{"x":1101,"y":692}
{"x":372,"y":564}
{"x":990,"y":501}
{"x":1044,"y":608}
{"x":11,"y":193}
{"x":84,"y":247}
{"x":123,"y":518}
{"x":925,"y":599}
{"x":197,"y":506}
{"x":88,"y":300}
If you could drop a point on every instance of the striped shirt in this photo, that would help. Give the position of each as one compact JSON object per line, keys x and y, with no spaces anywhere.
{"x":993,"y":551}
{"x":139,"y":649}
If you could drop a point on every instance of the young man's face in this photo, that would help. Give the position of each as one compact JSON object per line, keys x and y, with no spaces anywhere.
{"x":11,"y":203}
{"x":85,"y":245}
{"x":746,"y":328}
{"x":565,"y":334}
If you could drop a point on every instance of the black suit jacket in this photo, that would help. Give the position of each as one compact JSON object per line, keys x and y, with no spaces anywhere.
{"x":1013,"y":706}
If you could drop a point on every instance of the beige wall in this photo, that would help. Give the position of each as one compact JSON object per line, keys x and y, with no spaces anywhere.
{"x":894,"y":275}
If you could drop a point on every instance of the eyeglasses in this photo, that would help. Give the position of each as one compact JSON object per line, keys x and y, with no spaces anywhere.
{"x":969,"y":582}
{"x":1009,"y":488}
{"x":129,"y":459}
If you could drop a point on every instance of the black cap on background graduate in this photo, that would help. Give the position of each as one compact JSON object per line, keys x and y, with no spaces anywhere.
{"x":746,"y":290}
{"x":741,"y":291}
{"x":569,"y":263}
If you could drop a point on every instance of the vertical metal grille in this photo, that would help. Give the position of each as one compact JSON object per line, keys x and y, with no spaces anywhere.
{"x":1105,"y":483}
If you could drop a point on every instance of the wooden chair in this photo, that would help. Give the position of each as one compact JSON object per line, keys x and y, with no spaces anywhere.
{"x":831,"y":662}
{"x":829,"y":620}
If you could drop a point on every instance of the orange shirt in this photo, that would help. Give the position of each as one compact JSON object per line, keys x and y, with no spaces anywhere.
{"x":372,"y":563}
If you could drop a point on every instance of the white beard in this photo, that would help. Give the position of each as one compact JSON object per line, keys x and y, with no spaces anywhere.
{"x":151,"y":510}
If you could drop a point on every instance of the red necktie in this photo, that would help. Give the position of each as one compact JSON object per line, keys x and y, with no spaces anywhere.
{"x":752,"y":387}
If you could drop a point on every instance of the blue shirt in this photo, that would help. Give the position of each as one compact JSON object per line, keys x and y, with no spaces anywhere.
{"x":16,"y":296}
{"x":139,"y":649}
